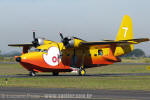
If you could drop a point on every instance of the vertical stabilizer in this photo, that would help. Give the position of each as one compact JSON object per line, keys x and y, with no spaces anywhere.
{"x":125,"y":32}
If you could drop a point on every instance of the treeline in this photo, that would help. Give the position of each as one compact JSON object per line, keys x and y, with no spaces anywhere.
{"x":10,"y":54}
{"x":9,"y":57}
{"x":136,"y":53}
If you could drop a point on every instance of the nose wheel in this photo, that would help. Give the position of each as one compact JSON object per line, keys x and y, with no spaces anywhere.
{"x":32,"y":73}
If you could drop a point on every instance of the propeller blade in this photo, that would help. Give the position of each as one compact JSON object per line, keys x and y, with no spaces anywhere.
{"x":35,"y":40}
{"x":61,"y":35}
{"x":33,"y":35}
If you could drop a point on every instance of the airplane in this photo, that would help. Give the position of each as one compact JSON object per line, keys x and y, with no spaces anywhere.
{"x":75,"y":54}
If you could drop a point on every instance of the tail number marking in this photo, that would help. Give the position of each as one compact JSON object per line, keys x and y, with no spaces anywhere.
{"x":126,"y":29}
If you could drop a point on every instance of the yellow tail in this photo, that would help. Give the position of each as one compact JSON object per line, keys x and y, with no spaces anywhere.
{"x":125,"y":33}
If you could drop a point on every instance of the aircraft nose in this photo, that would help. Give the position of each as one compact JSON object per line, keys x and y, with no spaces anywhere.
{"x":18,"y":59}
{"x":32,"y":57}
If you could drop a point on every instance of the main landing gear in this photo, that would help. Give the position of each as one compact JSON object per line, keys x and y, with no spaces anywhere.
{"x":55,"y":73}
{"x":32,"y":73}
{"x":82,"y":71}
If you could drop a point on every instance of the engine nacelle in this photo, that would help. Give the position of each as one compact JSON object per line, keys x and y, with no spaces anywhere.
{"x":40,"y":41}
{"x":73,"y":42}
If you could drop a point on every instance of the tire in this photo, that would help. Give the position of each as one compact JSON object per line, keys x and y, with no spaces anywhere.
{"x":55,"y":73}
{"x":82,"y":72}
{"x":32,"y":73}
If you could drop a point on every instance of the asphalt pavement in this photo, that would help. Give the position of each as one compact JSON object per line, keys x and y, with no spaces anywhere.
{"x":75,"y":75}
{"x":18,"y":93}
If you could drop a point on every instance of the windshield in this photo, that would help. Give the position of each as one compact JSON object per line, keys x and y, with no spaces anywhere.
{"x":38,"y":50}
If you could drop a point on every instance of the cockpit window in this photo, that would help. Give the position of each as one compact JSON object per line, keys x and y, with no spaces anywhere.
{"x":38,"y":50}
{"x":45,"y":51}
{"x":100,"y":52}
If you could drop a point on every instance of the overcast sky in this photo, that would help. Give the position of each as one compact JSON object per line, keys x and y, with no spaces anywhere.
{"x":92,"y":20}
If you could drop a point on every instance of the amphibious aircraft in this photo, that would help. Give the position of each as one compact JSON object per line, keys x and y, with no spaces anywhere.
{"x":75,"y":54}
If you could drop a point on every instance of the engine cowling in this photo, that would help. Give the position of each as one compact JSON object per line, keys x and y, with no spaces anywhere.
{"x":40,"y":41}
{"x":72,"y":43}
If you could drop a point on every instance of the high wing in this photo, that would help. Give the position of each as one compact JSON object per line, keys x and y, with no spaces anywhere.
{"x":32,"y":44}
{"x":36,"y":42}
{"x":137,"y":40}
{"x":109,"y":43}
{"x":21,"y":45}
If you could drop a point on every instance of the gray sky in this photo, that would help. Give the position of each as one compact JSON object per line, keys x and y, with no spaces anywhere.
{"x":92,"y":20}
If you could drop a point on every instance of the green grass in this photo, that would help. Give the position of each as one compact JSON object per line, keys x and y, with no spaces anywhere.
{"x":135,"y":60}
{"x":116,"y":68}
{"x":120,"y":83}
{"x":7,"y":59}
{"x":92,"y":82}
{"x":9,"y":69}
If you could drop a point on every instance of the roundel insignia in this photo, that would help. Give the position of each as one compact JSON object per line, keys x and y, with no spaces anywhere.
{"x":52,"y":57}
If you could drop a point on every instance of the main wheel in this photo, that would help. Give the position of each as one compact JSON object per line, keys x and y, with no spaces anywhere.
{"x":32,"y":73}
{"x":55,"y":73}
{"x":82,"y":72}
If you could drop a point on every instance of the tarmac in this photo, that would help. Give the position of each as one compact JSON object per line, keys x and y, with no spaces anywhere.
{"x":75,"y":75}
{"x":19,"y":93}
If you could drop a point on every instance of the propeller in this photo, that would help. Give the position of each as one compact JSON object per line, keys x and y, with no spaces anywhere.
{"x":35,"y":40}
{"x":65,"y":40}
{"x":61,"y":35}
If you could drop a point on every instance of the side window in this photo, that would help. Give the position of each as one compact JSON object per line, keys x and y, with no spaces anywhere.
{"x":95,"y":54}
{"x":68,"y":54}
{"x":100,"y":52}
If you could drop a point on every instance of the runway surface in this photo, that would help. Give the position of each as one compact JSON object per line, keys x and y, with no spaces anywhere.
{"x":13,"y":93}
{"x":18,"y":93}
{"x":75,"y":75}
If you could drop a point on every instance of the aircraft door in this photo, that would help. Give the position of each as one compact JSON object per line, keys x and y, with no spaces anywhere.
{"x":74,"y":58}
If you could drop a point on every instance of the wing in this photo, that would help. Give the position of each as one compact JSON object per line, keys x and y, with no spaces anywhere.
{"x":21,"y":45}
{"x":24,"y":46}
{"x":137,"y":40}
{"x":109,"y":43}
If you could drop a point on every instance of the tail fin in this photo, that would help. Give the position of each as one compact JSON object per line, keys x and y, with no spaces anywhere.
{"x":125,"y":33}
